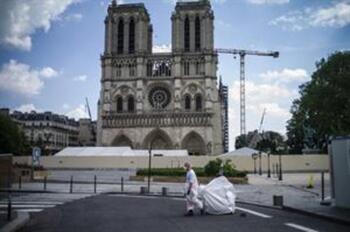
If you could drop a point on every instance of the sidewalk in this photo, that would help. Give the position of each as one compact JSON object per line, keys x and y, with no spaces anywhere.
{"x":261,"y":190}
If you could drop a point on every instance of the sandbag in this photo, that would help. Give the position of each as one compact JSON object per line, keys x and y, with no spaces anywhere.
{"x":218,"y":196}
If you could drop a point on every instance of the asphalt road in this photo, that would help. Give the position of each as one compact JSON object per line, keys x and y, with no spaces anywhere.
{"x":135,"y":213}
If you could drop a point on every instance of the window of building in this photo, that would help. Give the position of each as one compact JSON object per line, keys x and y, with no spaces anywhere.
{"x":197,"y":34}
{"x":131,"y":104}
{"x":187,"y":102}
{"x":149,"y":69}
{"x":198,"y":103}
{"x":132,"y":70}
{"x":120,"y":36}
{"x":118,"y":70}
{"x":186,"y":68}
{"x":119,"y":104}
{"x":131,"y":36}
{"x":198,"y":68}
{"x":187,"y":34}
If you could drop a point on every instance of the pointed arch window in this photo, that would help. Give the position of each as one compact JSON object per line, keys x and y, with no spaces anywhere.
{"x":197,"y":34}
{"x":132,"y":36}
{"x":120,"y":36}
{"x":119,"y":104}
{"x":198,"y":103}
{"x":187,"y":34}
{"x":187,"y":102}
{"x":131,"y":104}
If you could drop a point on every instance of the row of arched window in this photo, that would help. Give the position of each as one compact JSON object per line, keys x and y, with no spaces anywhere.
{"x":130,"y":104}
{"x":120,"y":39}
{"x":197,"y":34}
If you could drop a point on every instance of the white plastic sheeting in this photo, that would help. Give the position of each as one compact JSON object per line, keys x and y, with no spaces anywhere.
{"x":116,"y":151}
{"x":218,"y":196}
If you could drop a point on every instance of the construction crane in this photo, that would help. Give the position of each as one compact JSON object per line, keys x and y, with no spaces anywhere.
{"x":242,"y":53}
{"x":256,"y":136}
{"x":88,"y":107}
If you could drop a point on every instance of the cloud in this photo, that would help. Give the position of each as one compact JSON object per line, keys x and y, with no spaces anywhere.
{"x":261,"y":2}
{"x":272,"y":94}
{"x":22,"y":79}
{"x":337,"y":15}
{"x":285,"y":75}
{"x":76,"y":17}
{"x":81,"y":78}
{"x":21,"y":19}
{"x":65,"y":106}
{"x":161,"y":48}
{"x":212,"y":1}
{"x":78,"y":112}
{"x":27,"y":108}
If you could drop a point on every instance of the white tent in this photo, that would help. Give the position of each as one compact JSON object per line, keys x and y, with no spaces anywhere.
{"x":116,"y":151}
{"x":244,"y":151}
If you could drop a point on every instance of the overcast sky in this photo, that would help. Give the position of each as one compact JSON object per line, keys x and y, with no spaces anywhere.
{"x":50,"y":50}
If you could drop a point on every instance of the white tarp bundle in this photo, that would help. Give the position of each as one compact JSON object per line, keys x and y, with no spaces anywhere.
{"x":218,"y":196}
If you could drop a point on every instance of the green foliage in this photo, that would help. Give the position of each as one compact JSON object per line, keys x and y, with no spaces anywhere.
{"x":324,"y":104}
{"x":211,"y":169}
{"x":12,"y":139}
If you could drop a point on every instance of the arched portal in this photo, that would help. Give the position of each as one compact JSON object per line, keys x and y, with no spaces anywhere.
{"x":159,"y":140}
{"x":194,"y":144}
{"x":122,"y":141}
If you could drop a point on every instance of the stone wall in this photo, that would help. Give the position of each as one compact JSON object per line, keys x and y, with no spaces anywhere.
{"x":290,"y":163}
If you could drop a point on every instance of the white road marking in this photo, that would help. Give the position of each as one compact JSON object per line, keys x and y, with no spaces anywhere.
{"x":299,"y":227}
{"x":33,"y":202}
{"x":29,"y":210}
{"x":28,"y":206}
{"x":254,"y":212}
{"x":133,"y":196}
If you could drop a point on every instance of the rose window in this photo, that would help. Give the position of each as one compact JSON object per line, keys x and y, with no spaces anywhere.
{"x":159,"y":97}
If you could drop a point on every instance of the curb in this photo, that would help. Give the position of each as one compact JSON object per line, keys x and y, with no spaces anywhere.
{"x":319,"y":215}
{"x":21,"y":219}
{"x":301,"y":211}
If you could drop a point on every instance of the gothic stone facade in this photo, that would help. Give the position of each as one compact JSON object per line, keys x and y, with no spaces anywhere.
{"x":163,"y":100}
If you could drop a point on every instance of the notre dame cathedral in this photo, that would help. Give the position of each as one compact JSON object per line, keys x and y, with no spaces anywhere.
{"x":164,"y":100}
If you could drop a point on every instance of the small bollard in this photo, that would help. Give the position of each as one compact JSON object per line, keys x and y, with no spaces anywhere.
{"x":95,"y":184}
{"x":164,"y":191}
{"x":45,"y":182}
{"x":20,"y":182}
{"x":278,"y":200}
{"x":122,"y":184}
{"x":71,"y":185}
{"x":9,"y":208}
{"x":143,"y":190}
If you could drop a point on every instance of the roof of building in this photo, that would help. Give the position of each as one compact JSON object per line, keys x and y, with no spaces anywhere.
{"x":116,"y":151}
{"x":45,"y":116}
{"x":244,"y":151}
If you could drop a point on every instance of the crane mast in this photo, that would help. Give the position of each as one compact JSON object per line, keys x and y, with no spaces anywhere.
{"x":242,"y":53}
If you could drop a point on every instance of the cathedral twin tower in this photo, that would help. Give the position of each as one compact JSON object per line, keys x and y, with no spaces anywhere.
{"x":163,"y":100}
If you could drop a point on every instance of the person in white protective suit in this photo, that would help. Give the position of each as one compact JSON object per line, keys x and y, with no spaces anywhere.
{"x":192,"y":201}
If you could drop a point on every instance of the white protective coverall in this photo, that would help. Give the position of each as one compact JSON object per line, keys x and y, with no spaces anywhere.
{"x":192,"y":200}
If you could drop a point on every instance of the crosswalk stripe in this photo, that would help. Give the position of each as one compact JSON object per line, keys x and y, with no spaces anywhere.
{"x":29,"y":210}
{"x":28,"y":206}
{"x":33,"y":202}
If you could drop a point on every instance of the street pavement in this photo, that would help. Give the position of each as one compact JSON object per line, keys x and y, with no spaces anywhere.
{"x":108,"y":212}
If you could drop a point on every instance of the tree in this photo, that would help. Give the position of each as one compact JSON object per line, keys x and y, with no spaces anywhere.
{"x":12,"y":139}
{"x":324,"y":105}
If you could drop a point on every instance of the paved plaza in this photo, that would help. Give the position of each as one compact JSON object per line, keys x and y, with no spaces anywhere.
{"x":135,"y":213}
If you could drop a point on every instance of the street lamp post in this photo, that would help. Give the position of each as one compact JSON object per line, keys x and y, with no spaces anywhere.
{"x":268,"y":165}
{"x":260,"y":170}
{"x":149,"y":168}
{"x":254,"y":156}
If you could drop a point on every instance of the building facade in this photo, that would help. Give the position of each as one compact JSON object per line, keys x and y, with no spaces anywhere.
{"x":160,"y":100}
{"x":50,"y":131}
